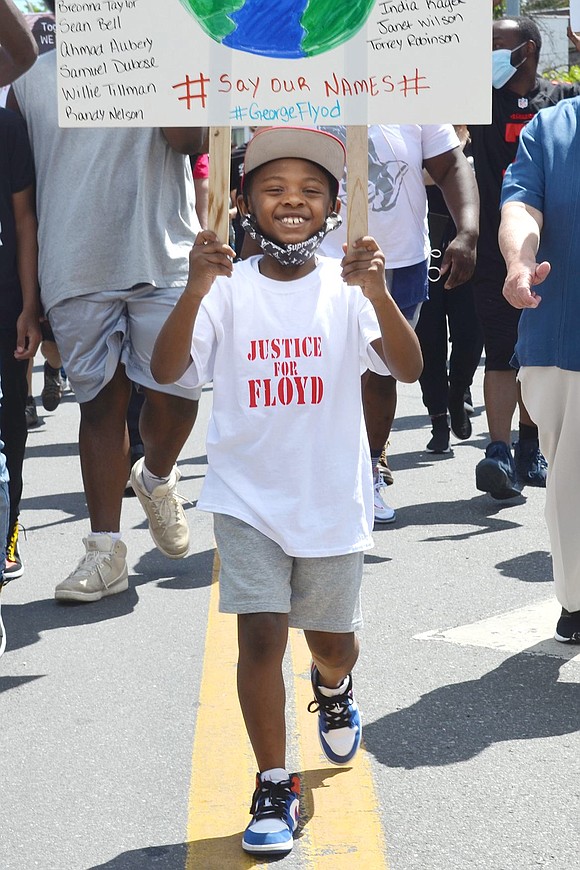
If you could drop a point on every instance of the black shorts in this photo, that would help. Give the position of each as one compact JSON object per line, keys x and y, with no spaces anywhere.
{"x":499,"y":320}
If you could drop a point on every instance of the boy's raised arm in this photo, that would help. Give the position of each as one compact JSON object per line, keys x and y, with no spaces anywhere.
{"x":399,"y":346}
{"x":208,"y":259}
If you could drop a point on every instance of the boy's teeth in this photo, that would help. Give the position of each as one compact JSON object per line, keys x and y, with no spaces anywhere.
{"x":292,"y":220}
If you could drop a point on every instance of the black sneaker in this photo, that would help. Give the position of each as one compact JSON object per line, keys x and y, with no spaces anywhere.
{"x":568,"y":627}
{"x":53,"y":389}
{"x":496,"y":474}
{"x":13,"y":566}
{"x":31,"y":413}
{"x":439,"y":442}
{"x":531,"y":465}
{"x":275,"y":814}
{"x":460,"y":422}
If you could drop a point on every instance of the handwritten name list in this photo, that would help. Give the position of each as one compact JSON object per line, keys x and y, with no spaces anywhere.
{"x":131,"y":63}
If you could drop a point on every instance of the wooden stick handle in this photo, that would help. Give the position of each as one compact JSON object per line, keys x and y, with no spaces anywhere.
{"x":357,"y":171}
{"x":219,"y":181}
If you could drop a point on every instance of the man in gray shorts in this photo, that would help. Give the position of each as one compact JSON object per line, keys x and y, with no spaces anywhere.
{"x":116,"y":213}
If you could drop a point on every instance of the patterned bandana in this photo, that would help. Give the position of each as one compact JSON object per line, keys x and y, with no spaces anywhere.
{"x":293,"y":254}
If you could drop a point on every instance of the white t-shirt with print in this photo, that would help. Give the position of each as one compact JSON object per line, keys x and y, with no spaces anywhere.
{"x":396,"y":190}
{"x":286,"y":445}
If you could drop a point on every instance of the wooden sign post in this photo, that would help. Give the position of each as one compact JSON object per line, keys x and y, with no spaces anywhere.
{"x":357,"y":169}
{"x":220,"y":149}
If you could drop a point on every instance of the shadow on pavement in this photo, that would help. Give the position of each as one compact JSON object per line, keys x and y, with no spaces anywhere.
{"x":535,"y":567}
{"x":26,"y":622}
{"x":219,"y":853}
{"x":520,"y":700}
{"x":478,"y":511}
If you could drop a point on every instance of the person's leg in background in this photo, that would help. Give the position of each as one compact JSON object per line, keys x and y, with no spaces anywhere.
{"x":466,"y":341}
{"x":53,"y":386}
{"x":553,"y":397}
{"x":498,"y":474}
{"x":4,"y":514}
{"x":13,"y":431}
{"x":407,"y":285}
{"x":135,"y":441}
{"x":432,"y":334}
{"x":31,"y":412}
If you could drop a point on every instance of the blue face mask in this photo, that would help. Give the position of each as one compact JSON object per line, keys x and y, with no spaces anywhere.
{"x":502,"y":68}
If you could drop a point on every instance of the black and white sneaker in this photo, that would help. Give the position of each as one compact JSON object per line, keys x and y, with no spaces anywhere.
{"x":439,"y":442}
{"x":568,"y":627}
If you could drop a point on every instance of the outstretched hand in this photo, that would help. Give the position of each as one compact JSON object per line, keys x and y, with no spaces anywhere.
{"x":519,"y":284}
{"x":365,"y":266}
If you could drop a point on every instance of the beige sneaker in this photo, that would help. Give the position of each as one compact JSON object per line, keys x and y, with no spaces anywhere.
{"x":164,"y":509}
{"x":102,"y":571}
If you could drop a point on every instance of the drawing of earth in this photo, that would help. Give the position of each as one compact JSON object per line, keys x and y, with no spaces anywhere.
{"x":288,"y":28}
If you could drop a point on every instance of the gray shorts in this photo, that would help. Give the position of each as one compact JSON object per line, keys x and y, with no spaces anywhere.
{"x":97,"y":331}
{"x":257,"y":576}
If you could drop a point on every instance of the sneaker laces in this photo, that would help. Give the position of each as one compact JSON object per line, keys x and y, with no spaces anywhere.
{"x":167,"y":508}
{"x":538,"y":459}
{"x":11,"y":547}
{"x":335,"y":710}
{"x":270,"y":800}
{"x":91,"y":561}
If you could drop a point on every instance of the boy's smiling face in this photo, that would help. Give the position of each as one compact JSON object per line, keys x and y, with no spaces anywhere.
{"x":290,"y":199}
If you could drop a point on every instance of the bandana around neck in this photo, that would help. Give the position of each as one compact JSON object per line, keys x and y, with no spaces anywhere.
{"x":292,"y":254}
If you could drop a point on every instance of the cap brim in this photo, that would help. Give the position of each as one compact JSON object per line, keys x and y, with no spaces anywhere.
{"x":306,"y":143}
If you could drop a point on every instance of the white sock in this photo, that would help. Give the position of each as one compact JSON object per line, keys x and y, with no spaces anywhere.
{"x":330,"y":693}
{"x":115,"y":536}
{"x":275,"y":774}
{"x":151,"y":481}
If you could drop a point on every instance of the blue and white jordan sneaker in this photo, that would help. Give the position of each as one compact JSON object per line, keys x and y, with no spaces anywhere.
{"x":339,"y":722}
{"x":275,"y":814}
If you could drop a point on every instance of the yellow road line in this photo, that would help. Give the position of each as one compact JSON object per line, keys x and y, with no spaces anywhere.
{"x":342,"y":817}
{"x":223,"y":762}
{"x":344,"y":823}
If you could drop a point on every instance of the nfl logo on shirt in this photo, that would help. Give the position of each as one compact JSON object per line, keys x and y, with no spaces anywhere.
{"x":523,"y":102}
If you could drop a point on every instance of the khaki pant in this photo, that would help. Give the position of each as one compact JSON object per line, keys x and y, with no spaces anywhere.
{"x":552,"y":397}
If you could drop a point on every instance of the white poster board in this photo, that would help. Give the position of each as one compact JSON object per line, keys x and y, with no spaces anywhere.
{"x":575,"y":15}
{"x":164,"y":63}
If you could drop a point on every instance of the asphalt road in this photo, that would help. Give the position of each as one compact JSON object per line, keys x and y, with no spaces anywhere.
{"x":121,"y":744}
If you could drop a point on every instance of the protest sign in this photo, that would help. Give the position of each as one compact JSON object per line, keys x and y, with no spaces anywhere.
{"x":249,"y":62}
{"x":575,"y":15}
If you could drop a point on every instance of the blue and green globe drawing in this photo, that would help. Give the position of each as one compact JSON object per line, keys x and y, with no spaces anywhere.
{"x":284,"y":29}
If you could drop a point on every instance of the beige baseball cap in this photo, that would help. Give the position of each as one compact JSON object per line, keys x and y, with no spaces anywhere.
{"x":307,"y":143}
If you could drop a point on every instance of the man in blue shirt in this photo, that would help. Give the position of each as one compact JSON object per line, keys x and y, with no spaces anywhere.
{"x":540,"y":244}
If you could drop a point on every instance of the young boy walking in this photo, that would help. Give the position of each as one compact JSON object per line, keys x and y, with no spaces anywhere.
{"x":285,"y":337}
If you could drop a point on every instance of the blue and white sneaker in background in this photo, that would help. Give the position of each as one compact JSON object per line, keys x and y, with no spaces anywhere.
{"x":339,"y":722}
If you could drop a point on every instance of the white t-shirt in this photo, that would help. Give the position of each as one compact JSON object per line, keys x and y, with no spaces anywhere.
{"x":286,"y":446}
{"x":396,"y":190}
